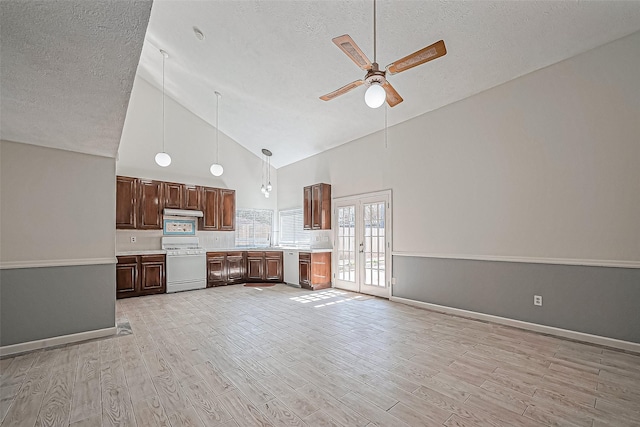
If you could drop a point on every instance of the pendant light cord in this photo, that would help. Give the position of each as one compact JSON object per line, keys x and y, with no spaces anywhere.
{"x":217,"y":129}
{"x":163,"y":119}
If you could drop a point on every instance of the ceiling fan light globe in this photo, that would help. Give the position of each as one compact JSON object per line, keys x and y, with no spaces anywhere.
{"x":163,"y":159}
{"x":216,"y":169}
{"x":375,"y":96}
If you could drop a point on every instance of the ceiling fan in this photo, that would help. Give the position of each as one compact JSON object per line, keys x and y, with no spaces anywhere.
{"x":379,"y":87}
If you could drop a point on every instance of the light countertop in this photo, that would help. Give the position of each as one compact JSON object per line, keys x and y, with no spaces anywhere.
{"x":142,"y":252}
{"x":269,"y":249}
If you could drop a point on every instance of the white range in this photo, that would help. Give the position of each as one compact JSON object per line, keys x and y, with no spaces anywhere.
{"x":186,"y":263}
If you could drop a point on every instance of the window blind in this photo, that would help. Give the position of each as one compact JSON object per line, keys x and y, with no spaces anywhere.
{"x":254,"y":227}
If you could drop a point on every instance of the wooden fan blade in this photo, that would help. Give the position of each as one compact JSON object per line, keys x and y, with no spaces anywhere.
{"x":348,"y":46}
{"x":344,"y":89}
{"x":393,"y":97}
{"x":426,"y":54}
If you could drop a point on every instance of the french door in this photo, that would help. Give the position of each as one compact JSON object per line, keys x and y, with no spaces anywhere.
{"x":362,"y":236}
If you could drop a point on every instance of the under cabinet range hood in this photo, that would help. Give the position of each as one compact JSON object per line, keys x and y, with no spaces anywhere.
{"x":183,"y":212}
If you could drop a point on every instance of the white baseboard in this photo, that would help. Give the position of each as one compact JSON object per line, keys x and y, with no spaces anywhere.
{"x":23,"y":347}
{"x":565,"y":333}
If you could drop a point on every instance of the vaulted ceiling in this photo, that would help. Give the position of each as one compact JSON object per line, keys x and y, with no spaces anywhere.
{"x":67,"y":65}
{"x":271,"y":60}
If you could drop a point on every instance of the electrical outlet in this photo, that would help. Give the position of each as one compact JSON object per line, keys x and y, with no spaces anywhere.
{"x":537,"y":300}
{"x":133,"y":239}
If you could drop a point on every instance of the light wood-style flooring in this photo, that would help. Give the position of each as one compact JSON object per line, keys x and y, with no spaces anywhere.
{"x":239,"y":356}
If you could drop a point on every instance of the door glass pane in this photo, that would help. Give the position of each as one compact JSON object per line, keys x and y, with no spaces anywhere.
{"x":346,"y":243}
{"x":374,"y":262}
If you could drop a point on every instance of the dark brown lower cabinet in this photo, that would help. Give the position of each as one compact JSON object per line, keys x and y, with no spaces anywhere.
{"x":255,"y":266}
{"x":230,"y":268}
{"x":138,"y":275}
{"x":235,"y":267}
{"x":315,"y":270}
{"x":304,"y":266}
{"x":127,"y":276}
{"x":216,"y":269}
{"x":273,"y":267}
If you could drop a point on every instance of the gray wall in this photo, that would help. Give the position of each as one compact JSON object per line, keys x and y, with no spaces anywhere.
{"x":601,"y":301}
{"x":39,"y":303}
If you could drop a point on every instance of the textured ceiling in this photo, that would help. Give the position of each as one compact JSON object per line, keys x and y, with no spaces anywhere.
{"x":67,"y":66}
{"x":271,"y":60}
{"x":67,"y":70}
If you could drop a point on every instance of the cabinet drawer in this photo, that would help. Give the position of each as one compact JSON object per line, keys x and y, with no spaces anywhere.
{"x":255,"y":254}
{"x":234,"y":255}
{"x":272,"y":254}
{"x":216,"y":254}
{"x":305,"y":256}
{"x":151,"y":258}
{"x":129,"y":259}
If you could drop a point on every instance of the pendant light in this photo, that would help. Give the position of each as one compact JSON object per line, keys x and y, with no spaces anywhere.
{"x":162,"y":158}
{"x":266,"y":173}
{"x":216,"y":168}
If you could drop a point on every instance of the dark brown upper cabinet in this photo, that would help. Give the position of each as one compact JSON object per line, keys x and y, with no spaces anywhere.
{"x":227,"y":214}
{"x":140,"y":204}
{"x":306,"y":208}
{"x":173,"y":195}
{"x":317,"y":207}
{"x":126,"y":202}
{"x":191,"y":197}
{"x":151,"y":205}
{"x":210,"y":209}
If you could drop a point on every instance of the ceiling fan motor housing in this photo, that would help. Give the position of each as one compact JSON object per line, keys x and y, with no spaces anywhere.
{"x":375,"y":76}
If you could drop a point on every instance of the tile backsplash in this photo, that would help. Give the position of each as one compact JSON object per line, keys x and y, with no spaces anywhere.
{"x":152,"y":239}
{"x":217,"y":239}
{"x":321,"y":239}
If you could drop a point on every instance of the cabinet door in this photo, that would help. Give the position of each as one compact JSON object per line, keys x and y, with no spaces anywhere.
{"x":320,"y":269}
{"x":126,"y":202}
{"x":255,"y":266}
{"x":235,"y":267}
{"x":273,"y":267}
{"x":321,"y":207}
{"x":306,"y":207}
{"x":127,"y":277}
{"x":216,"y":274}
{"x":152,"y":274}
{"x":173,"y":194}
{"x":191,"y":197}
{"x":227,"y":215}
{"x":305,"y":273}
{"x":210,"y":208}
{"x":150,"y":205}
